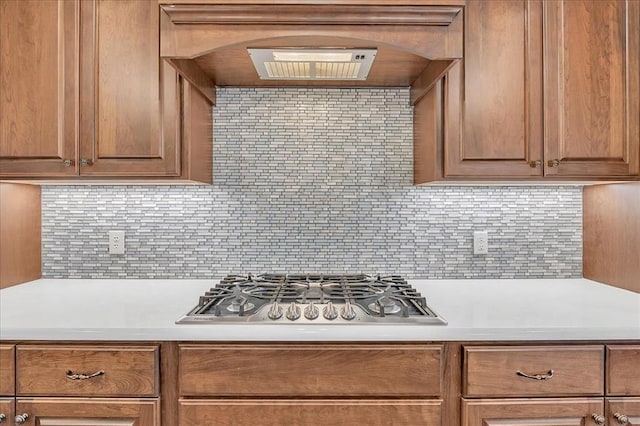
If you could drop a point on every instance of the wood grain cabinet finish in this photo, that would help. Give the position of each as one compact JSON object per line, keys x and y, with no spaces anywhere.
{"x":623,"y":370}
{"x":494,"y":95}
{"x":623,"y":411}
{"x":405,"y":370}
{"x":89,"y":412}
{"x":309,"y":412}
{"x":39,"y":84}
{"x":7,"y":370}
{"x":530,"y":412}
{"x":496,"y":371}
{"x":592,"y":88}
{"x":54,"y":371}
{"x":6,"y":409}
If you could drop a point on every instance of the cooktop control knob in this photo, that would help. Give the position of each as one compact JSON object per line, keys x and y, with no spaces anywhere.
{"x":330,"y":312}
{"x":275,"y":311}
{"x":311,"y":312}
{"x":348,"y":312}
{"x":293,"y":312}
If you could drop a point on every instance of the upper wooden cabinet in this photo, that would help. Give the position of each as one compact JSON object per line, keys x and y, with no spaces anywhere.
{"x":592,"y":88}
{"x":85,"y":92}
{"x":494,"y":95}
{"x":39,"y":88}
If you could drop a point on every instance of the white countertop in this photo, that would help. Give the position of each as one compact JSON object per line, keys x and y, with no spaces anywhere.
{"x":560,"y":309}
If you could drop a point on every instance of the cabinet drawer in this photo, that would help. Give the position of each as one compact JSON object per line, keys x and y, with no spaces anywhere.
{"x":309,"y":412}
{"x":50,"y":370}
{"x":501,"y":370}
{"x":7,"y":369}
{"x":623,"y":370}
{"x":310,"y":370}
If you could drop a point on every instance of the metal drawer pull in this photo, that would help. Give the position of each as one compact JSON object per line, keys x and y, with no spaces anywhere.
{"x":21,"y":419}
{"x":598,"y":419}
{"x":2,"y":417}
{"x":544,"y":376}
{"x":72,"y":376}
{"x":621,"y":419}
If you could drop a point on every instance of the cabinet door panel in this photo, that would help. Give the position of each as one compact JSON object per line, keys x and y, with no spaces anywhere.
{"x":6,"y":409}
{"x":130,"y":98}
{"x":38,"y":87}
{"x":592,"y":87}
{"x":530,"y":412}
{"x":496,"y":93}
{"x":309,"y":412}
{"x":620,"y":408}
{"x":89,"y":412}
{"x":7,"y":369}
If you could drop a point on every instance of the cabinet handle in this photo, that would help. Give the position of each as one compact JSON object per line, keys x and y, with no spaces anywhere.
{"x":2,"y":417}
{"x":86,"y":162}
{"x":543,"y":376}
{"x":20,"y":419}
{"x":67,"y":162}
{"x":72,"y":376}
{"x":553,"y":163}
{"x":621,"y":419}
{"x":598,"y":419}
{"x":534,"y":164}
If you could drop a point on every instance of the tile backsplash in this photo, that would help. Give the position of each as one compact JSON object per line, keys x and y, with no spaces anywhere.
{"x":312,"y":180}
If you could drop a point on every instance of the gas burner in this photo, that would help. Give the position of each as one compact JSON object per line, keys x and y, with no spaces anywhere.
{"x":313,"y":299}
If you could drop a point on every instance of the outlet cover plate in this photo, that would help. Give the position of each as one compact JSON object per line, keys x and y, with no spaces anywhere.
{"x":480,"y":242}
{"x":116,"y":242}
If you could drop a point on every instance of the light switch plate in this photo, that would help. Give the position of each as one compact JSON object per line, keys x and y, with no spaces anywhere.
{"x":116,"y":242}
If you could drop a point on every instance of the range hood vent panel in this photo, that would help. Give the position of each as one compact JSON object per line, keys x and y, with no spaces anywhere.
{"x":312,"y":63}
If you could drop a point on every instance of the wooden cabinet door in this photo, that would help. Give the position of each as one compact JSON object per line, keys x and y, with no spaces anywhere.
{"x":89,"y":412}
{"x":197,"y":412}
{"x":38,"y":88}
{"x":494,"y":96}
{"x":592,"y":88}
{"x":620,"y":410}
{"x":129,"y":117}
{"x":6,"y":410}
{"x":7,"y":369}
{"x":530,"y":412}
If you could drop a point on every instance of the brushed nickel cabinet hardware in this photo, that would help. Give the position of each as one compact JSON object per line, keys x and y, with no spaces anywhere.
{"x":21,"y":419}
{"x":67,"y":162}
{"x":2,"y":417}
{"x":598,"y":419}
{"x":534,"y":164}
{"x":553,"y":163}
{"x":86,"y":162}
{"x":542,"y":376}
{"x":621,"y":419}
{"x":72,"y":376}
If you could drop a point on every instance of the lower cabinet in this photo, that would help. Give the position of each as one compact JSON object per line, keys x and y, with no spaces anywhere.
{"x":623,"y":411}
{"x":309,"y":412}
{"x":529,"y":412}
{"x":88,"y":411}
{"x":6,"y":411}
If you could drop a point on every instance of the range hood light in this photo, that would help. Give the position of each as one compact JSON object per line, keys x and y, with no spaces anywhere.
{"x":302,"y":56}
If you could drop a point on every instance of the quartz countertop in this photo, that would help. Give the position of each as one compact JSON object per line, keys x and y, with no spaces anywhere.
{"x":476,"y":310}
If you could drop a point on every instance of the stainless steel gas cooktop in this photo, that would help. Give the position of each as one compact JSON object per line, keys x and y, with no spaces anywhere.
{"x":312,"y":299}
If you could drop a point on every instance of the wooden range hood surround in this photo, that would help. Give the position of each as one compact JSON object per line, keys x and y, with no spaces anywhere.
{"x":417,"y":42}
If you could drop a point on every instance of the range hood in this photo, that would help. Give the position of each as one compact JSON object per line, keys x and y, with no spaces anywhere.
{"x":342,"y":45}
{"x":312,"y":63}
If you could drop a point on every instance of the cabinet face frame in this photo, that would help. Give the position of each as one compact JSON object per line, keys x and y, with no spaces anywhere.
{"x":565,"y":111}
{"x":37,"y":88}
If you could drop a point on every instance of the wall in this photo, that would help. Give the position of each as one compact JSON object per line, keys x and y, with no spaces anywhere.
{"x":312,"y":180}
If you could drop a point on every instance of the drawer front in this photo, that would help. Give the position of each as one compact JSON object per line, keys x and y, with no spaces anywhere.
{"x":503,"y":370}
{"x":7,"y":369}
{"x":309,"y":412}
{"x":76,"y":371}
{"x":623,"y":370}
{"x":310,"y":370}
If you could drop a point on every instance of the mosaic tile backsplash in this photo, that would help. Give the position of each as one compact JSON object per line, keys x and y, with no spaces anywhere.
{"x":312,"y":180}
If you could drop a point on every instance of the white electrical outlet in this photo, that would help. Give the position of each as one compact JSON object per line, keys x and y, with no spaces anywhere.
{"x":481,"y":242}
{"x":116,"y":242}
